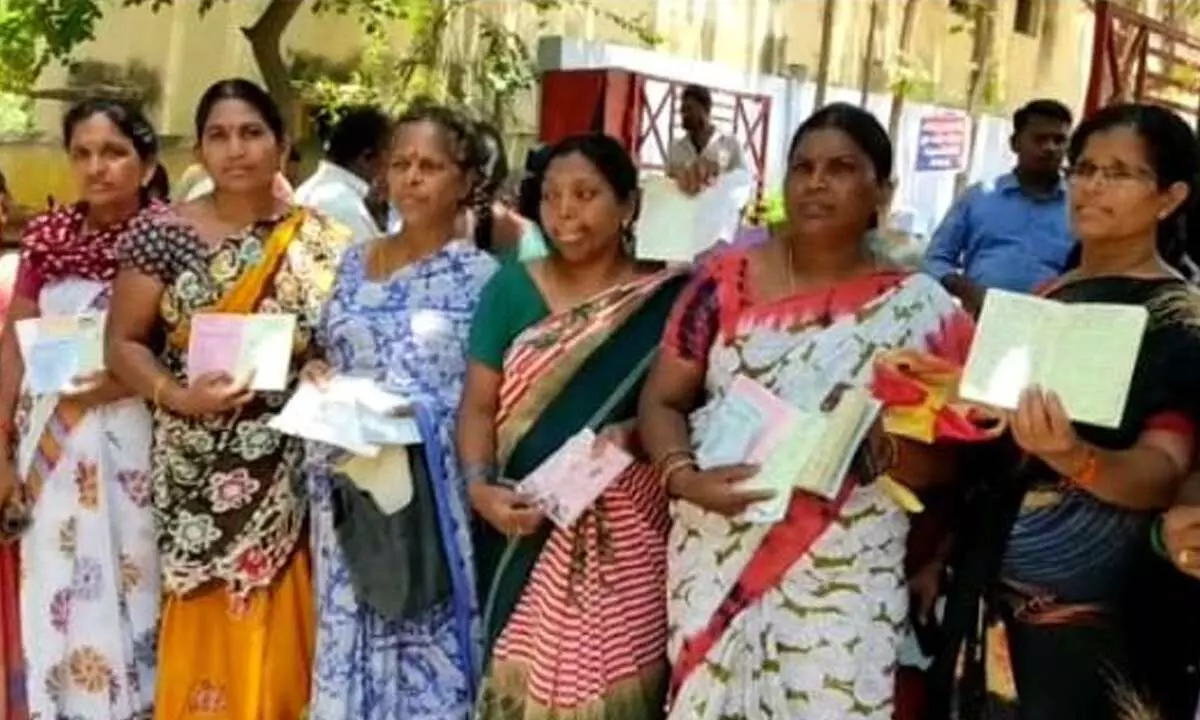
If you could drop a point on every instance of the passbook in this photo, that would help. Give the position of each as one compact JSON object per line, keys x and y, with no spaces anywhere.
{"x":568,"y":482}
{"x":253,"y":348}
{"x":1084,"y":352}
{"x":809,"y":449}
{"x":57,"y":349}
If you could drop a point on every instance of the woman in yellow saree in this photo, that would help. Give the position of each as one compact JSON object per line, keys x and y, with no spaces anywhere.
{"x":238,"y":623}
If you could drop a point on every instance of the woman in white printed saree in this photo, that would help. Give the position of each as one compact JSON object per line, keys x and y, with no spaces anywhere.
{"x":802,"y":618}
{"x":89,"y":564}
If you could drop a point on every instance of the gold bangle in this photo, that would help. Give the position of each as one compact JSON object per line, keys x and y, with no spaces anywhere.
{"x":670,"y":455}
{"x":669,"y":471}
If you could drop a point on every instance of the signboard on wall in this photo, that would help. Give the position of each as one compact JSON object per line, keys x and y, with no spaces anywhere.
{"x":941,"y":143}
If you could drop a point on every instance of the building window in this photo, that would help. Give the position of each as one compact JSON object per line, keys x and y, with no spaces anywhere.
{"x":1025,"y":19}
{"x":961,"y":7}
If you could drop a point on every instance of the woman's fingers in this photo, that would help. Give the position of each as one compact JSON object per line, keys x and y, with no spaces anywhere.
{"x":1056,"y":416}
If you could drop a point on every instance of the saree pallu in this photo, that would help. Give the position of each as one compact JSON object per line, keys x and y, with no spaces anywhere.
{"x":801,"y":619}
{"x":574,"y":619}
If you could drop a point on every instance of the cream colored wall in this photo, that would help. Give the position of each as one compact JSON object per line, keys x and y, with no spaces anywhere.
{"x":1052,"y":64}
{"x":191,"y":52}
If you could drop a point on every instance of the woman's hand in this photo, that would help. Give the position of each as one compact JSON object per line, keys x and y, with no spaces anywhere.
{"x":211,"y":394}
{"x":95,"y":390}
{"x":916,"y":465}
{"x":925,"y":586}
{"x":1041,"y":427}
{"x":1181,"y":536}
{"x":622,"y":435}
{"x":504,"y":509}
{"x":719,"y":489}
{"x":317,"y":372}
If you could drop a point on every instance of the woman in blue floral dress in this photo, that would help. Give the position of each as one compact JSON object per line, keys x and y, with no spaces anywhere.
{"x":399,"y":314}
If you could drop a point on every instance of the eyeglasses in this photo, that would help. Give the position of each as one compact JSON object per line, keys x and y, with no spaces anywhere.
{"x":1108,"y":175}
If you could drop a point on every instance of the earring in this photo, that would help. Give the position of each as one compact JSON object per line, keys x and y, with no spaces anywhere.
{"x":628,"y":241}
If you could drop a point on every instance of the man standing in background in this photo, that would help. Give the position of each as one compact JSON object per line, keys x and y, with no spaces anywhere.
{"x":1012,"y":233}
{"x":706,"y":158}
{"x":703,"y":153}
{"x":353,"y":162}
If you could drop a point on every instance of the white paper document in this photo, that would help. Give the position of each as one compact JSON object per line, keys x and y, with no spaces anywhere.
{"x":569,"y":481}
{"x":57,"y":349}
{"x":675,"y":227}
{"x":257,"y":348}
{"x":1084,"y":352}
{"x":353,"y":414}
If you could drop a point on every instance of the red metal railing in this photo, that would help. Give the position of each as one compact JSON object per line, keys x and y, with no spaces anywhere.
{"x":1138,"y":58}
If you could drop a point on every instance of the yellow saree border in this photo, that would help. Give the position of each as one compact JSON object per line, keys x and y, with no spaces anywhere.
{"x":248,"y":290}
{"x":582,"y":329}
{"x":505,"y":695}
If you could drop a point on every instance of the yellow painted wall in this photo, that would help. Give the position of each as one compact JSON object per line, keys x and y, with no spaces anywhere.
{"x":192,"y":52}
{"x":35,"y":170}
{"x":1052,"y":64}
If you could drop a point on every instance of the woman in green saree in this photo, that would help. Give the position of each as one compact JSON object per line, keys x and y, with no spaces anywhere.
{"x":575,"y":623}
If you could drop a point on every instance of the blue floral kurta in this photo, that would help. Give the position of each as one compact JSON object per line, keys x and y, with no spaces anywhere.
{"x":408,"y":333}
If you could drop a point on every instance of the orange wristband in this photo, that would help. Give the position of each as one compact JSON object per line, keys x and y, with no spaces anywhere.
{"x":1090,"y":472}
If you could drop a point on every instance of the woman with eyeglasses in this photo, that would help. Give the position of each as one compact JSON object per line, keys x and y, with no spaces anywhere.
{"x":1058,"y":604}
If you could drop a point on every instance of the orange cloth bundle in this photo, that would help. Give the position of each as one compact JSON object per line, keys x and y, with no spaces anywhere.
{"x":920,"y":400}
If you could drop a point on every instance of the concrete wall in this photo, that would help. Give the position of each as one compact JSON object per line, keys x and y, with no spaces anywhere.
{"x":745,"y":35}
{"x":739,"y":43}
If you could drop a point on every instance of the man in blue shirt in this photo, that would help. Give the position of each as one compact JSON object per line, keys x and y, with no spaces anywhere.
{"x":1012,"y":233}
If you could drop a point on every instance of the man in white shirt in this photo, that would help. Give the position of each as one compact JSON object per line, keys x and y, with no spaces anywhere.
{"x":706,"y":159}
{"x":704,"y":152}
{"x":353,"y":160}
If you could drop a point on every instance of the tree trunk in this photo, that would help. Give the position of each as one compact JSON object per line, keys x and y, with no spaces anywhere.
{"x":868,"y":69}
{"x":265,"y":37}
{"x":908,"y":24}
{"x":982,"y":61}
{"x":828,"y":15}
